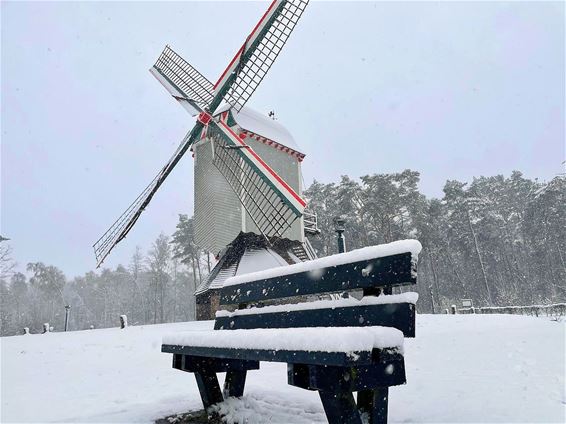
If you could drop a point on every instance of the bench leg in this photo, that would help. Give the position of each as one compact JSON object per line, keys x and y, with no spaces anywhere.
{"x":340,"y":407}
{"x":234,"y":383}
{"x":374,"y":403}
{"x":208,"y":387}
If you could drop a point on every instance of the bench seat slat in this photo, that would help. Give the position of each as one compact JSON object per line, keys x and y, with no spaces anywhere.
{"x":388,"y":372}
{"x":307,"y":339}
{"x":396,"y":315}
{"x":341,"y":359}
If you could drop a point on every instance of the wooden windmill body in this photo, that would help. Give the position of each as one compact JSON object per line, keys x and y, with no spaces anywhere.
{"x":220,"y":212}
{"x":225,"y":226}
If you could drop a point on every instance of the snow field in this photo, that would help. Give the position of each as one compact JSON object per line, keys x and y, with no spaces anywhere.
{"x":462,"y":368}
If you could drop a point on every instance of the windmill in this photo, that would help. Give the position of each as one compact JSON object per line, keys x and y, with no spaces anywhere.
{"x":271,"y":204}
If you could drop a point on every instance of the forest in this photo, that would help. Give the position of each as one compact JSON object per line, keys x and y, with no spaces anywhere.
{"x":496,"y":240}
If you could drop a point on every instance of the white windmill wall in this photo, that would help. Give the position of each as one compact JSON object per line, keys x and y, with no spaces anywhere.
{"x":287,"y":167}
{"x":218,"y":212}
{"x":219,"y":215}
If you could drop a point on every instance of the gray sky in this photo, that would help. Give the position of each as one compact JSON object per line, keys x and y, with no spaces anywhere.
{"x":451,"y":89}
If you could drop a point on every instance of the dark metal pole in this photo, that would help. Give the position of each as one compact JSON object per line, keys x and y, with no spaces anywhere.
{"x":67,"y":311}
{"x":339,"y":227}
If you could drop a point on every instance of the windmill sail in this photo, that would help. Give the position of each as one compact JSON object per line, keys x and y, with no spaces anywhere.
{"x":121,"y":227}
{"x":276,"y":201}
{"x":269,"y":201}
{"x":183,"y":81}
{"x":250,"y":64}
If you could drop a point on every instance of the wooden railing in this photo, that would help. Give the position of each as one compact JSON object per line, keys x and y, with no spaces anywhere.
{"x":556,"y":310}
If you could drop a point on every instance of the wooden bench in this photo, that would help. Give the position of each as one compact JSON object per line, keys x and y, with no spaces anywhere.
{"x":336,"y":345}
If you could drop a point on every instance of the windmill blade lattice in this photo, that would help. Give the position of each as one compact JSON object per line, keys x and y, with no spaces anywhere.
{"x":260,"y":50}
{"x":122,"y":226}
{"x":186,"y":79}
{"x":272,"y":211}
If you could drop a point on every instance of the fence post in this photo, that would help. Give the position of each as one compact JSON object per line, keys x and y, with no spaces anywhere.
{"x":453,"y":310}
{"x":123,"y":321}
{"x":45,"y":328}
{"x":67,"y":311}
{"x":26,"y":330}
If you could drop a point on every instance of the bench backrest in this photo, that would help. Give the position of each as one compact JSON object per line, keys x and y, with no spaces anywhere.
{"x":374,"y":269}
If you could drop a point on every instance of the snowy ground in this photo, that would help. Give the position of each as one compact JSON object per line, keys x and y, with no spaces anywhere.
{"x":467,"y":368}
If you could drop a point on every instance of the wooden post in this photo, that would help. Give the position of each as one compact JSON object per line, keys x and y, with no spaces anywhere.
{"x":374,"y":404}
{"x":208,"y":387}
{"x":123,"y":321}
{"x":234,"y":383}
{"x":45,"y":328}
{"x":453,"y":310}
{"x":340,"y":407}
{"x":67,"y":310}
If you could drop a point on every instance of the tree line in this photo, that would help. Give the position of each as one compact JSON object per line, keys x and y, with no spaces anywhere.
{"x":496,"y":240}
{"x":155,"y":287}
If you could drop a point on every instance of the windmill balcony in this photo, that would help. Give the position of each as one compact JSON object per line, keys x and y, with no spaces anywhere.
{"x":310,"y":222}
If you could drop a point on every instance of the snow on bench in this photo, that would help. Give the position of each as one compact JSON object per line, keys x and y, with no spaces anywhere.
{"x":407,"y":297}
{"x":413,"y":247}
{"x":312,"y":339}
{"x":376,"y":268}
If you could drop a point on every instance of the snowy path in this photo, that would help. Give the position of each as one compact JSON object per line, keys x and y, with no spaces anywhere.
{"x":485,"y":368}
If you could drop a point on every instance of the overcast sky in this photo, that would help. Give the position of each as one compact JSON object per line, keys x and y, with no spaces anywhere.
{"x":452,"y":89}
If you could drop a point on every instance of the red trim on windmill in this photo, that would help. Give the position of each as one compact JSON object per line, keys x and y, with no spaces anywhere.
{"x":238,"y":54}
{"x":268,"y":142}
{"x":241,"y":50}
{"x":204,"y":118}
{"x":266,"y":167}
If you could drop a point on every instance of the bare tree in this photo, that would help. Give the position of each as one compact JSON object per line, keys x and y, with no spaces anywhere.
{"x":158,"y":260}
{"x":7,"y":263}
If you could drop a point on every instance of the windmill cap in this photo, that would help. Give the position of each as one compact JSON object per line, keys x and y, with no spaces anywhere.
{"x":260,"y":124}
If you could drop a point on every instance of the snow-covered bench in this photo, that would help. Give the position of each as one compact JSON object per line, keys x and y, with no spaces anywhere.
{"x":336,"y":346}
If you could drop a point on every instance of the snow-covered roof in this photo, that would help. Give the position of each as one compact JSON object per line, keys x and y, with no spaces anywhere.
{"x":259,"y":260}
{"x":262,"y":125}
